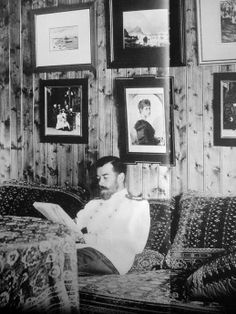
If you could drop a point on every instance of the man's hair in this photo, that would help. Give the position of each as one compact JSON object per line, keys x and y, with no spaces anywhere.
{"x":144,"y":103}
{"x":117,"y":164}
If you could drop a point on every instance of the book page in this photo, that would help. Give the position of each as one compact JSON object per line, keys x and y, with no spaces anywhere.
{"x":56,"y":214}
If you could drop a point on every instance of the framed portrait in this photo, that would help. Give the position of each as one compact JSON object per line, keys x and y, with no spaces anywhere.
{"x":145,"y":119}
{"x":63,"y":38}
{"x":64,"y":110}
{"x":145,"y":33}
{"x":224,"y":106}
{"x":217,"y":35}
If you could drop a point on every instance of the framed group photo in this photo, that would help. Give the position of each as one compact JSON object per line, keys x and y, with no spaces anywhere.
{"x":224,"y":106}
{"x":145,"y":33}
{"x":64,"y":111}
{"x":217,"y":35}
{"x":145,"y":116}
{"x":63,"y":38}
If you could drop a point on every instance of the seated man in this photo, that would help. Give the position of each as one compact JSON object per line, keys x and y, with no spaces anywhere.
{"x":115,"y":226}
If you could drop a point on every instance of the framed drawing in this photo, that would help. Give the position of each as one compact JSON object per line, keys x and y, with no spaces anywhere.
{"x":63,"y":38}
{"x":145,"y":33}
{"x":224,"y":106}
{"x":217,"y":35}
{"x":145,"y":116}
{"x":64,"y":110}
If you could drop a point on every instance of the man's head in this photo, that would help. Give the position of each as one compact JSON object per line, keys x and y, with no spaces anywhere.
{"x":144,"y":107}
{"x":111,"y":174}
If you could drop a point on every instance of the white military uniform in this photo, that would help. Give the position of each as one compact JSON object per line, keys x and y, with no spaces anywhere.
{"x":117,"y":227}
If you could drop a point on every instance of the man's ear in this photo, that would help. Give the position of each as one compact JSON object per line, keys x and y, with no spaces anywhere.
{"x":121,"y":178}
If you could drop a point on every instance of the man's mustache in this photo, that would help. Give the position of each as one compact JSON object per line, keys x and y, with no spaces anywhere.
{"x":103,"y":188}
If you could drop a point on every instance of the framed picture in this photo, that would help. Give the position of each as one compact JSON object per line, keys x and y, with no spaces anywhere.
{"x":63,"y":38}
{"x":64,"y":110}
{"x":145,"y":33}
{"x":216,"y":35}
{"x":145,"y":115}
{"x":224,"y":106}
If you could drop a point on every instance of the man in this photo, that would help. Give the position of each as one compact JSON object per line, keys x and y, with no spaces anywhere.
{"x":115,"y":226}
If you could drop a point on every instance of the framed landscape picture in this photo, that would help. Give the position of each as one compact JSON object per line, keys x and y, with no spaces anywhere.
{"x":225,"y":109}
{"x":216,"y":35}
{"x":145,"y":116}
{"x":145,"y":33}
{"x":63,"y":38}
{"x":64,"y":111}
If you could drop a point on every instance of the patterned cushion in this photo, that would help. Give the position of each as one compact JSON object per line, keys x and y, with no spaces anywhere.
{"x":215,"y":280}
{"x":159,"y":235}
{"x":18,"y":198}
{"x":147,"y":260}
{"x":206,"y":221}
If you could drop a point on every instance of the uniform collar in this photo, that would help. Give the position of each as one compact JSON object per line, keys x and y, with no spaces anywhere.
{"x":117,"y":195}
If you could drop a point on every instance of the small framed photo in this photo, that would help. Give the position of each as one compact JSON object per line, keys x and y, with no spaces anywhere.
{"x":64,"y":110}
{"x":145,"y":33}
{"x":217,"y":34}
{"x":63,"y":38}
{"x":145,"y":115}
{"x":224,"y":106}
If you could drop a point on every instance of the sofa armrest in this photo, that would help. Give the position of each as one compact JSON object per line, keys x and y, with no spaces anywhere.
{"x":17,"y":198}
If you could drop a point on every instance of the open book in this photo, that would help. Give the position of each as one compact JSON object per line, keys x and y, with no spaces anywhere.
{"x":55,"y":213}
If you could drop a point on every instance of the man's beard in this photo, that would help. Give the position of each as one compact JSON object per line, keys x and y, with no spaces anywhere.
{"x":105,"y":193}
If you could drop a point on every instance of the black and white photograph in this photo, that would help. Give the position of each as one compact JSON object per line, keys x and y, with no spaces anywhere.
{"x":117,"y":157}
{"x":225,"y":108}
{"x":228,"y":21}
{"x":64,"y":109}
{"x":146,"y":28}
{"x":145,"y":105}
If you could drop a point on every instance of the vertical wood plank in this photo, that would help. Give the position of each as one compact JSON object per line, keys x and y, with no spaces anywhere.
{"x":4,"y":93}
{"x":15,"y":89}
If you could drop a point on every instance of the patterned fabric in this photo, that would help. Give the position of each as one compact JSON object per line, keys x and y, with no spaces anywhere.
{"x":18,"y":198}
{"x":159,"y":235}
{"x":38,"y":266}
{"x":190,"y":259}
{"x":143,"y":292}
{"x":206,"y":221}
{"x":147,"y":260}
{"x":214,"y":281}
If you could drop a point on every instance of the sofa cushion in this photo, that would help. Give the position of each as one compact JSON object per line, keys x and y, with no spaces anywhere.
{"x":147,"y":260}
{"x":215,"y":280}
{"x":206,"y":221}
{"x":18,"y":198}
{"x":159,"y":235}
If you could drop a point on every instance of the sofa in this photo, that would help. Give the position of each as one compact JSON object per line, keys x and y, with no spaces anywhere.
{"x":187,"y":266}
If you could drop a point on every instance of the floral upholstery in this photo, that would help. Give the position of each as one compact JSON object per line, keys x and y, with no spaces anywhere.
{"x":159,"y":235}
{"x":18,"y":198}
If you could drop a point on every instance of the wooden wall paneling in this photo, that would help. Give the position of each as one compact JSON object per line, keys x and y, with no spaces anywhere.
{"x":5,"y":141}
{"x":27,"y":92}
{"x":16,"y":170}
{"x":40,"y":149}
{"x":194,"y":103}
{"x":179,"y":178}
{"x":135,"y":179}
{"x":212,"y":171}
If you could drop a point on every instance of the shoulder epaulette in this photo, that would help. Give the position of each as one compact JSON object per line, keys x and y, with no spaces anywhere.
{"x":136,"y":198}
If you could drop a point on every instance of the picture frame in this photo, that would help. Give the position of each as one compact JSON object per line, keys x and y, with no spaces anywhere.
{"x":63,"y":38}
{"x":145,"y":119}
{"x":217,"y":35}
{"x":131,"y":42}
{"x":64,"y":110}
{"x":224,"y":108}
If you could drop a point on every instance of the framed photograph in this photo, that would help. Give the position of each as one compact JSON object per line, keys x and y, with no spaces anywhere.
{"x":145,"y":33}
{"x":216,"y":35}
{"x":64,"y":111}
{"x":224,"y":106}
{"x":63,"y":38}
{"x":145,"y":116}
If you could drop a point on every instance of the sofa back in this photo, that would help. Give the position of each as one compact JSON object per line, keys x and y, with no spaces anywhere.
{"x":18,"y":198}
